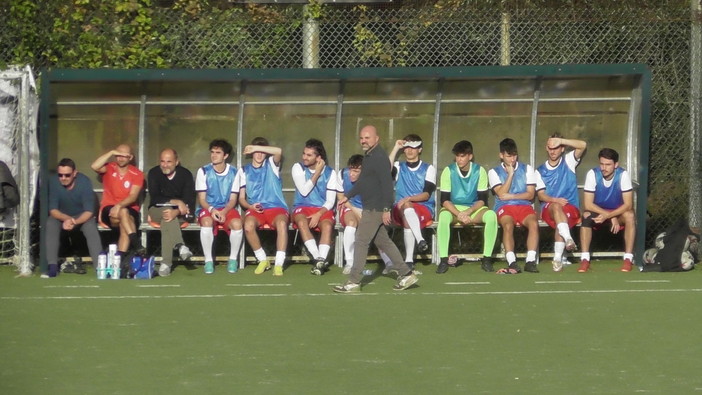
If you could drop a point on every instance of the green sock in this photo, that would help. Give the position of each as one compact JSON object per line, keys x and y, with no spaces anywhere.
{"x":489,"y":232}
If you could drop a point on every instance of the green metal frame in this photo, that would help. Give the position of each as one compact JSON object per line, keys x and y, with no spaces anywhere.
{"x":640,"y":71}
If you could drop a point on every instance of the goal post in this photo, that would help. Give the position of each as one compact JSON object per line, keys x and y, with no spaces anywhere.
{"x":19,"y":149}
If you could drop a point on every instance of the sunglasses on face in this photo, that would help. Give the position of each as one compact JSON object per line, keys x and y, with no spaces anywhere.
{"x":65,"y":175}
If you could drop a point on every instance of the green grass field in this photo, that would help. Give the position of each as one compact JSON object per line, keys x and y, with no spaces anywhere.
{"x":462,"y":332}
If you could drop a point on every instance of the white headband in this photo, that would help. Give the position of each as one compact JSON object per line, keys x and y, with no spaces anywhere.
{"x":412,"y":144}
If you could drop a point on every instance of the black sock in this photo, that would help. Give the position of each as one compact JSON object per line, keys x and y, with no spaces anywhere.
{"x":134,"y":241}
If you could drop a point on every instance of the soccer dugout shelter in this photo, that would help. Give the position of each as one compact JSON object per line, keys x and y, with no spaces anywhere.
{"x":85,"y":113}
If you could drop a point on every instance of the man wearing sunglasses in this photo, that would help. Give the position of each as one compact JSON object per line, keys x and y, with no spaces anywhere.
{"x":122,"y":182}
{"x":71,"y":207}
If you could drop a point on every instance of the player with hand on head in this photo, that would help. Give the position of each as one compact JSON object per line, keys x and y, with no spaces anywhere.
{"x":557,"y":189}
{"x":415,"y":184}
{"x":261,"y":195}
{"x":315,"y":196}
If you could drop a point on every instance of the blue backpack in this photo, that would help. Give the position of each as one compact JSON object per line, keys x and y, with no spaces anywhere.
{"x":142,"y":267}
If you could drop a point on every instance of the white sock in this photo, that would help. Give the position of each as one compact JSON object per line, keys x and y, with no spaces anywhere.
{"x":349,"y":240}
{"x":409,"y":245}
{"x":564,"y":231}
{"x":279,"y":258}
{"x":531,"y":256}
{"x":511,"y":258}
{"x":629,"y":257}
{"x":385,"y":258}
{"x":235,"y":239}
{"x":585,"y":256}
{"x":311,"y":246}
{"x":260,"y":255}
{"x":558,"y":248}
{"x":324,"y":250}
{"x":207,"y":239}
{"x":413,"y":222}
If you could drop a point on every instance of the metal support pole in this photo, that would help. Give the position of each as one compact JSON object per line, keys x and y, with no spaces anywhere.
{"x":505,"y":39}
{"x":310,"y":42}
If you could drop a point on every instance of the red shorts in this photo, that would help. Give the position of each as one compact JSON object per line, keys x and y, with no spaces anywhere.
{"x":571,"y":212}
{"x":423,"y":212}
{"x":216,"y":226}
{"x":267,"y":217}
{"x":518,"y":212}
{"x":342,"y":215}
{"x":309,"y":211}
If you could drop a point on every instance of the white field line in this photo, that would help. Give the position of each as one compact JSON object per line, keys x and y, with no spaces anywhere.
{"x":159,"y":286}
{"x":558,"y":282}
{"x":647,"y":281}
{"x":330,"y":293}
{"x":71,"y":286}
{"x":258,"y":285}
{"x":469,"y":283}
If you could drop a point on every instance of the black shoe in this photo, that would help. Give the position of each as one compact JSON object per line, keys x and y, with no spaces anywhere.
{"x":138,"y":250}
{"x":319,"y":267}
{"x":515,"y":267}
{"x":443,"y":266}
{"x":486,"y":264}
{"x":67,"y":267}
{"x":531,"y":267}
{"x":76,"y":266}
{"x":422,"y":246}
{"x":80,"y":266}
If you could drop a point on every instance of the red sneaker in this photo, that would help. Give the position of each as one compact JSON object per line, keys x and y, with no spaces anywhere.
{"x":584,"y":266}
{"x":626,"y":267}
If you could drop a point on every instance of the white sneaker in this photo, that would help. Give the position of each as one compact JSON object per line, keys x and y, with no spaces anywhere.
{"x":164,"y":270}
{"x":184,"y":252}
{"x":347,"y":288}
{"x":405,"y":282}
{"x":557,"y":265}
{"x":347,"y":269}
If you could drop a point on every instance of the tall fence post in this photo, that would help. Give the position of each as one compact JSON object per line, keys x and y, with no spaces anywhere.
{"x":695,"y":210}
{"x":505,"y":39}
{"x":310,"y":41}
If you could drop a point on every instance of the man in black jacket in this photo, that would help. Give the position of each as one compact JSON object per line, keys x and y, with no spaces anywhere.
{"x":375,"y":186}
{"x":172,"y":193}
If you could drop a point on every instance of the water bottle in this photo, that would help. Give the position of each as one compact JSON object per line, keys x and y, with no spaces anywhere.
{"x":368,"y":272}
{"x":102,"y":266}
{"x":116,"y":261}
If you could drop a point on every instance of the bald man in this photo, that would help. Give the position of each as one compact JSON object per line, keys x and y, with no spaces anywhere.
{"x":375,"y":187}
{"x":172,"y":197}
{"x":122,"y":182}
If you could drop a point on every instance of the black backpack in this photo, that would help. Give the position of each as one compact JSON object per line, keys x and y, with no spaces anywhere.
{"x":9,"y":194}
{"x":676,"y":241}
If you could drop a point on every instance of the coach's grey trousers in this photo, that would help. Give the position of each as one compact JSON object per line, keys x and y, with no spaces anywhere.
{"x":371,"y":228}
{"x":89,"y":228}
{"x":170,"y":233}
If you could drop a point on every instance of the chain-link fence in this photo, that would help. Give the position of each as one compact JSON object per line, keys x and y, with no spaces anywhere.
{"x":410,"y":34}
